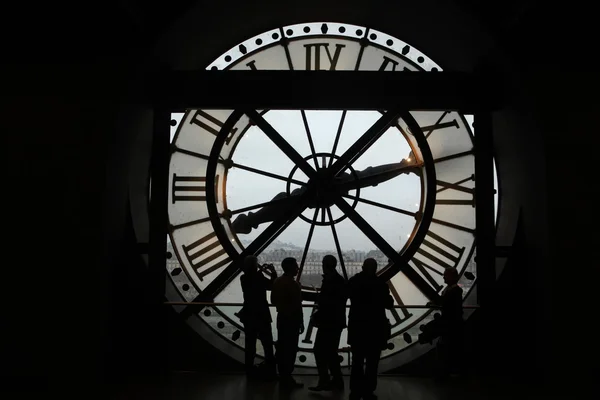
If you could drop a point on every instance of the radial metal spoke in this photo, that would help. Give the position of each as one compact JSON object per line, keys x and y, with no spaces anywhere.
{"x":337,"y":243}
{"x":231,"y":163}
{"x":451,"y":225}
{"x":376,"y":204}
{"x":453,"y":156}
{"x":310,"y":140}
{"x":337,"y":136}
{"x":173,"y":228}
{"x":263,"y":240}
{"x":365,"y":141}
{"x":308,"y":239}
{"x":388,"y":250}
{"x":281,"y":143}
{"x":269,"y":174}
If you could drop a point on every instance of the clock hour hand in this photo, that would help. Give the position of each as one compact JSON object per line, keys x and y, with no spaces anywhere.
{"x":373,"y":176}
{"x":244,"y":223}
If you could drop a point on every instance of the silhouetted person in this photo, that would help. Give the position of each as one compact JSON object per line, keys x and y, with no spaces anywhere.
{"x":256,"y":317}
{"x":330,"y":321}
{"x":450,"y":343}
{"x":286,"y":295}
{"x":368,"y":328}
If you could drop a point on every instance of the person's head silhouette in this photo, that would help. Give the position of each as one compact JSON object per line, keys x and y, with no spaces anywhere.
{"x":289,"y":266}
{"x":451,"y":276}
{"x":329,"y":264}
{"x":250,"y":264}
{"x":369,"y":266}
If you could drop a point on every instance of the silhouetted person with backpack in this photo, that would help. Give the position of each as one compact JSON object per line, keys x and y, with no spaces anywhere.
{"x":286,"y":295}
{"x":330,"y":321}
{"x":368,"y":328}
{"x":256,"y":317}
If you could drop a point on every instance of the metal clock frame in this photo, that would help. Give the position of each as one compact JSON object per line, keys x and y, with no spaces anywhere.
{"x":418,"y":90}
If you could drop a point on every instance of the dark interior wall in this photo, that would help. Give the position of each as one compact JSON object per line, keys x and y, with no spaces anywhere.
{"x":75,"y":310}
{"x":58,"y":122}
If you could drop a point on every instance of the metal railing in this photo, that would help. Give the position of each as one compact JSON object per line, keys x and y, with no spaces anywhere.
{"x":206,"y":303}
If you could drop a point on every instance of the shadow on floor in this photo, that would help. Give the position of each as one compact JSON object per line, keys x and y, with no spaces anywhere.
{"x":194,"y":386}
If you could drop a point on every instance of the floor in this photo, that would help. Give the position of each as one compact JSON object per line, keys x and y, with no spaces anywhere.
{"x":192,"y":386}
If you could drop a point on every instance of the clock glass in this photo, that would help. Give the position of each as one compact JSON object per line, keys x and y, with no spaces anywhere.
{"x":393,"y":185}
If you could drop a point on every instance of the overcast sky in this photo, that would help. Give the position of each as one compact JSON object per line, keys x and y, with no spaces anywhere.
{"x":258,"y":151}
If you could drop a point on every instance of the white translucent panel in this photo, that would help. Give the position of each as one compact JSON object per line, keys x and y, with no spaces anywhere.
{"x":198,"y":130}
{"x":443,"y":247}
{"x":223,"y":320}
{"x":322,"y":28}
{"x":444,"y":140}
{"x":220,"y":187}
{"x":459,"y":171}
{"x":375,"y":59}
{"x":201,"y":258}
{"x":406,"y":325}
{"x":305,"y":359}
{"x":465,"y":283}
{"x":397,"y":342}
{"x":307,"y":339}
{"x":324,"y":54}
{"x":323,"y":126}
{"x":455,"y":217}
{"x":273,"y":58}
{"x":400,"y":47}
{"x":186,"y":210}
{"x":470,"y":122}
{"x":180,"y":279}
{"x":237,"y":134}
{"x":238,"y":53}
{"x":177,"y":117}
{"x":344,"y":336}
{"x":408,"y":292}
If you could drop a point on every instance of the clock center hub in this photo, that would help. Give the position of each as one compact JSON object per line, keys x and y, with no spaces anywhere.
{"x":325,"y":188}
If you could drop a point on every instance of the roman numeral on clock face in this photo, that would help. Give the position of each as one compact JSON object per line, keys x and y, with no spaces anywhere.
{"x":457,"y":188}
{"x":389,"y":64}
{"x":429,"y":129}
{"x":315,"y":51}
{"x":188,"y":188}
{"x":191,"y":188}
{"x":197,"y":254}
{"x":431,"y":257}
{"x":210,"y":124}
{"x":309,"y":330}
{"x":399,"y":314}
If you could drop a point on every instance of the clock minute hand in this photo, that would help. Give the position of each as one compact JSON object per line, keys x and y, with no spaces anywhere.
{"x":373,"y":176}
{"x":244,"y":223}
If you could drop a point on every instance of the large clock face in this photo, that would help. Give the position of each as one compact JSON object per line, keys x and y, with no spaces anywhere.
{"x":395,"y":186}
